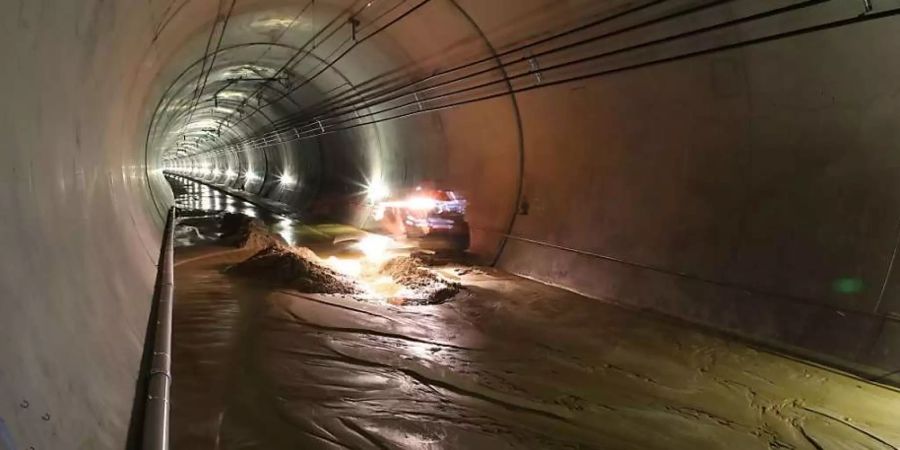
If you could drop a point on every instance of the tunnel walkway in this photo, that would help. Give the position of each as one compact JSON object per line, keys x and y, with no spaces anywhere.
{"x":513,"y":364}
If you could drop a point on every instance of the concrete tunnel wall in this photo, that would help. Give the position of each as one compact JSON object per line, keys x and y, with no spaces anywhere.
{"x":742,"y":189}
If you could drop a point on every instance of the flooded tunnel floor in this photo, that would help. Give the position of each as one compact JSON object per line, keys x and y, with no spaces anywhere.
{"x":513,"y":364}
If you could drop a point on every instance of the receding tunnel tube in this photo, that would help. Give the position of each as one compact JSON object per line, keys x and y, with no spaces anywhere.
{"x":728,"y":163}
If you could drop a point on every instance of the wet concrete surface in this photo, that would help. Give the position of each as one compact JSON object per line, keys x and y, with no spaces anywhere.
{"x":512,"y":364}
{"x":198,"y":202}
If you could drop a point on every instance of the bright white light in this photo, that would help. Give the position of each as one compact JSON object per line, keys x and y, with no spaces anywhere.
{"x":285,"y":229}
{"x":421,"y":203}
{"x":232,"y":95}
{"x":287,"y":179}
{"x":246,"y":71}
{"x":349,"y":267}
{"x":378,"y":212}
{"x":250,"y":176}
{"x":375,"y":246}
{"x":416,"y":203}
{"x":230,"y":173}
{"x":216,"y":172}
{"x":200,"y":124}
{"x":273,"y":22}
{"x":377,"y":191}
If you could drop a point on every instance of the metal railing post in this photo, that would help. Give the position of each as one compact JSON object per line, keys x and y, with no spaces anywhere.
{"x":159,"y":381}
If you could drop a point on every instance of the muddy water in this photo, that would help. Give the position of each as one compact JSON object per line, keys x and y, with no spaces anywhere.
{"x":514,"y":364}
{"x":195,"y":196}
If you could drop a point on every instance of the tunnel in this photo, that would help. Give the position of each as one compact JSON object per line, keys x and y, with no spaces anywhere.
{"x":725,"y":167}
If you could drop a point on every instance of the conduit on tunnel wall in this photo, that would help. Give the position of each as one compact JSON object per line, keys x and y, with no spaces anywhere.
{"x":736,"y":188}
{"x":405,"y":152}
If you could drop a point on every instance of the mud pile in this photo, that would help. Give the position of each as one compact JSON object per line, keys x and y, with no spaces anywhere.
{"x":432,"y":259}
{"x":243,"y":231}
{"x":295,"y":268}
{"x":461,"y":271}
{"x":424,"y":286}
{"x":464,"y":264}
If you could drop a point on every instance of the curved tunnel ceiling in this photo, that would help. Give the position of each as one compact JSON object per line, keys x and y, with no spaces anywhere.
{"x":276,"y":81}
{"x":666,"y":154}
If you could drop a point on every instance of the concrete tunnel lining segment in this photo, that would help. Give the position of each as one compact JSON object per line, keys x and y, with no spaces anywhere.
{"x":754,"y":166}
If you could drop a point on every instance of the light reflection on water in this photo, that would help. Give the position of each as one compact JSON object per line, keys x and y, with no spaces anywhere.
{"x":285,"y":229}
{"x":198,"y":196}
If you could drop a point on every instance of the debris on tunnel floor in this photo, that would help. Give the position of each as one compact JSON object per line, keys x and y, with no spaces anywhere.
{"x":370,"y":272}
{"x":242,"y":231}
{"x":461,"y":271}
{"x":342,"y":341}
{"x":402,"y":280}
{"x":440,"y":259}
{"x":422,"y":286}
{"x":514,"y":365}
{"x":295,"y":268}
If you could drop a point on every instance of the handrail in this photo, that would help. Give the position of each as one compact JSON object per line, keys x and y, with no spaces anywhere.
{"x":159,"y":381}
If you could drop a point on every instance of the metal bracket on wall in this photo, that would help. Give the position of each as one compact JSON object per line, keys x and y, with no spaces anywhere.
{"x":354,"y":27}
{"x":867,"y":5}
{"x":418,"y":102}
{"x":535,"y":68}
